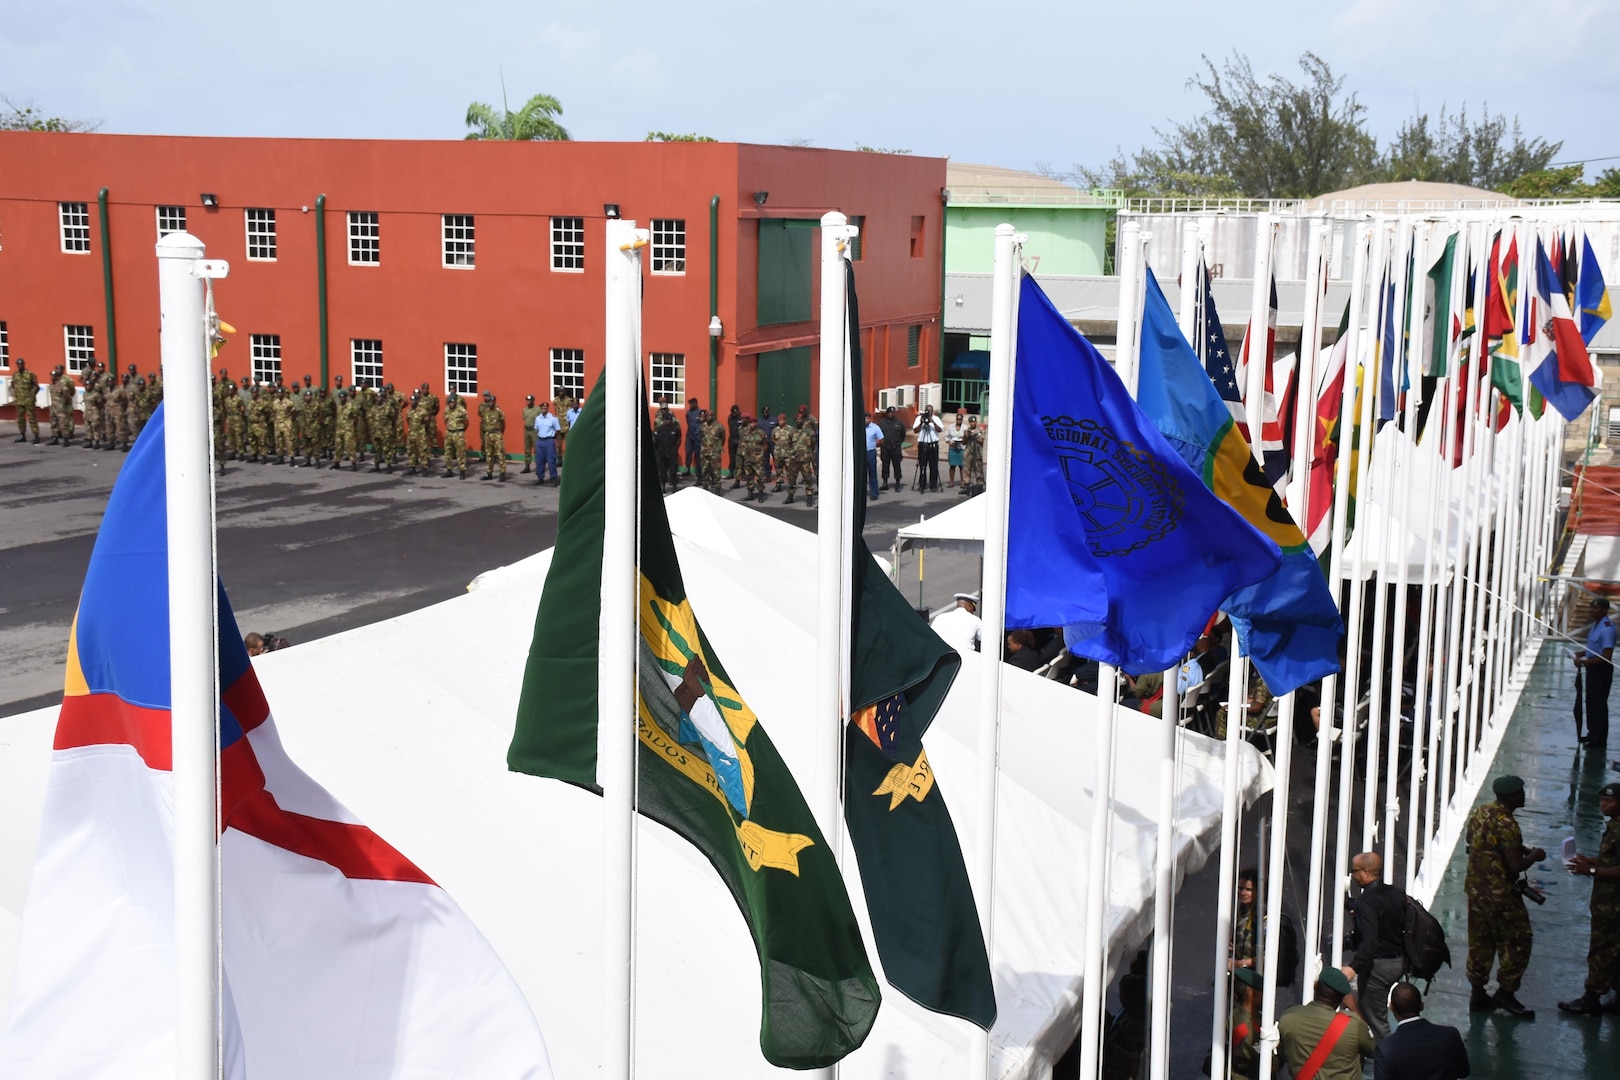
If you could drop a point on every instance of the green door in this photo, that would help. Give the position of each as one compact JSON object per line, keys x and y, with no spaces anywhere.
{"x":784,"y":380}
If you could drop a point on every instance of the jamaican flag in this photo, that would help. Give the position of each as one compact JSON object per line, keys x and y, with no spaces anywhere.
{"x":706,"y":768}
{"x":917,"y":889}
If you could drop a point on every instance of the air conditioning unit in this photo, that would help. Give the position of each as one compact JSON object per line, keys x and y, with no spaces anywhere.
{"x":5,"y":389}
{"x":932,"y":393}
{"x":908,"y":396}
{"x":888,"y":397}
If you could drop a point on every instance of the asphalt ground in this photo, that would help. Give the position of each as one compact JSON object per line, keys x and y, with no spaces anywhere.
{"x":308,"y":552}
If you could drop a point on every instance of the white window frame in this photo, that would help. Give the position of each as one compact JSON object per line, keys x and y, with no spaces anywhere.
{"x":5,"y":347}
{"x":365,"y":238}
{"x":168,"y":222}
{"x":568,"y":372}
{"x":264,"y":351}
{"x":669,"y":247}
{"x":263,"y":238}
{"x":568,"y":245}
{"x":456,"y":355}
{"x":670,"y":382}
{"x":458,"y":242}
{"x":78,"y":346}
{"x":366,"y":362}
{"x":73,"y":218}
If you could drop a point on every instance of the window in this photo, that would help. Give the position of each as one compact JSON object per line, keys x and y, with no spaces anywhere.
{"x":170,"y":219}
{"x":75,"y":227}
{"x":261,"y":235}
{"x":918,"y":223}
{"x":5,"y":348}
{"x":460,"y":369}
{"x":567,"y":243}
{"x":79,"y":346}
{"x":669,"y":246}
{"x":458,"y":241}
{"x":668,"y":377}
{"x":913,"y":343}
{"x":266,"y":353}
{"x":568,"y":373}
{"x":366,"y":355}
{"x":859,"y":221}
{"x":365,"y":238}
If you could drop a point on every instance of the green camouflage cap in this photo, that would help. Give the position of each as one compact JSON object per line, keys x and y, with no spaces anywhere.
{"x":1508,"y":785}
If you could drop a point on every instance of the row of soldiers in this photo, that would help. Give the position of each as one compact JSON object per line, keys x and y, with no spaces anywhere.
{"x":116,"y":407}
{"x":254,"y":422}
{"x":787,"y":455}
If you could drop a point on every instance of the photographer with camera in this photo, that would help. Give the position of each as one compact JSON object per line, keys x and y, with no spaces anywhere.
{"x":1498,"y":924}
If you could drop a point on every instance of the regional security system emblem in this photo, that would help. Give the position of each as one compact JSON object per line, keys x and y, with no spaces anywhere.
{"x":1127,"y":498}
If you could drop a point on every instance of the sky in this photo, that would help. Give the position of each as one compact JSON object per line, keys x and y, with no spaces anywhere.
{"x":1019,"y":83}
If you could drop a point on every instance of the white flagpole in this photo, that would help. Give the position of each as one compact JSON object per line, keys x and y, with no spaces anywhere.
{"x":1364,"y":536}
{"x":616,"y":694}
{"x":1237,"y":683}
{"x":1127,"y":338}
{"x":993,"y":600}
{"x":1164,"y":899}
{"x":193,"y":644}
{"x":1407,"y":441}
{"x":1329,"y":730}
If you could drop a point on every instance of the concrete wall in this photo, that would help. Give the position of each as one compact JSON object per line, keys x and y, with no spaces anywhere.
{"x":1064,"y":239}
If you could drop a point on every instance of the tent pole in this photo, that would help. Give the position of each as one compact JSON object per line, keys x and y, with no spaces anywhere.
{"x":993,"y":602}
{"x":193,"y":641}
{"x":616,"y":702}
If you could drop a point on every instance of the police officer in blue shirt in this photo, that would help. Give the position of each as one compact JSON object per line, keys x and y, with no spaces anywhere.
{"x":874,"y":439}
{"x":1598,"y":663}
{"x":546,"y":428}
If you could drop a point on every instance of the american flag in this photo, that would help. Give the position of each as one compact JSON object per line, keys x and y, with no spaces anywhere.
{"x":1212,"y":349}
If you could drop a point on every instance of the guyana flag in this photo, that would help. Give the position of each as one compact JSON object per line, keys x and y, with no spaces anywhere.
{"x":917,"y":889}
{"x":1501,"y":319}
{"x":706,"y":768}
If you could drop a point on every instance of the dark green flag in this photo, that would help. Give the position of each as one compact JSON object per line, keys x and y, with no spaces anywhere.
{"x":707,"y":770}
{"x":917,"y":890}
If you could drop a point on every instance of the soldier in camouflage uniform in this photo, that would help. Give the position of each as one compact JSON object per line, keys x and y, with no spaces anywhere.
{"x":559,"y":409}
{"x":418,"y":440}
{"x":801,"y":459}
{"x":62,"y":391}
{"x":782,"y":435}
{"x":751,"y":458}
{"x":281,"y":423}
{"x":365,"y":404}
{"x":259,"y":432}
{"x":455,"y":436}
{"x":384,"y":428}
{"x":1603,"y":954}
{"x":24,"y":392}
{"x":117,"y":418}
{"x":95,"y":402}
{"x":1498,"y":924}
{"x":218,"y":389}
{"x":344,"y":445}
{"x":530,"y":411}
{"x":973,"y":457}
{"x":492,"y":436}
{"x":714,"y":441}
{"x":235,"y":408}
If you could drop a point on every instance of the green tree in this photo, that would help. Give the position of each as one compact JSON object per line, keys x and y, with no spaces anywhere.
{"x":665,"y":136}
{"x":535,"y":121}
{"x":1490,"y":152}
{"x":28,"y":117}
{"x":1266,"y":137}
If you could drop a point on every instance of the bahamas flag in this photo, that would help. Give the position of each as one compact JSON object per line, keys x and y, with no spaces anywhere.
{"x":706,"y":768}
{"x":917,"y":890}
{"x":1287,"y":623}
{"x":341,"y":957}
{"x":1109,"y":528}
{"x":1592,"y":307}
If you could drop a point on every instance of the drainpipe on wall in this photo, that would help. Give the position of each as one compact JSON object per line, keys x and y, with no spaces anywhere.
{"x":107,"y":281}
{"x":320,"y":279}
{"x":944,"y":230}
{"x":714,"y":301}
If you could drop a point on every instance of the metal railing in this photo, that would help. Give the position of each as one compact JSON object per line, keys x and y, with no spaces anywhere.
{"x":970,"y":394}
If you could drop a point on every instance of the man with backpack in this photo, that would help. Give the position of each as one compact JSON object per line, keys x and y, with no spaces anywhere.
{"x":1380,"y":956}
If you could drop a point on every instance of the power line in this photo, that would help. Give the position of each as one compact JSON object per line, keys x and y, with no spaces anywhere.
{"x":1583,"y":161}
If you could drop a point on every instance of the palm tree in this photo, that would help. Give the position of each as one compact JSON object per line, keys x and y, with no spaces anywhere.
{"x":534,"y":121}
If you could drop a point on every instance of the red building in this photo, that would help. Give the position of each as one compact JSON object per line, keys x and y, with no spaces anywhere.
{"x":471,"y":266}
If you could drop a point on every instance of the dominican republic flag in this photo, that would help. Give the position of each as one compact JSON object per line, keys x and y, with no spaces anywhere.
{"x":1564,"y":374}
{"x":341,"y":958}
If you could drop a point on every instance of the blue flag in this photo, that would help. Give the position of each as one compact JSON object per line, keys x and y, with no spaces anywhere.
{"x":1592,"y":307}
{"x":1109,"y":529}
{"x":1287,"y":624}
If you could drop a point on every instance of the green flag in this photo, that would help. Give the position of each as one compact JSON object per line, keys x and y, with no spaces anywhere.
{"x":706,"y":768}
{"x":1438,"y":326}
{"x":917,"y":890}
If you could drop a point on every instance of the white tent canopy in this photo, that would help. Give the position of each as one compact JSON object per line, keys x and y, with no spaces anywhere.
{"x":412,"y":736}
{"x":961,"y":528}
